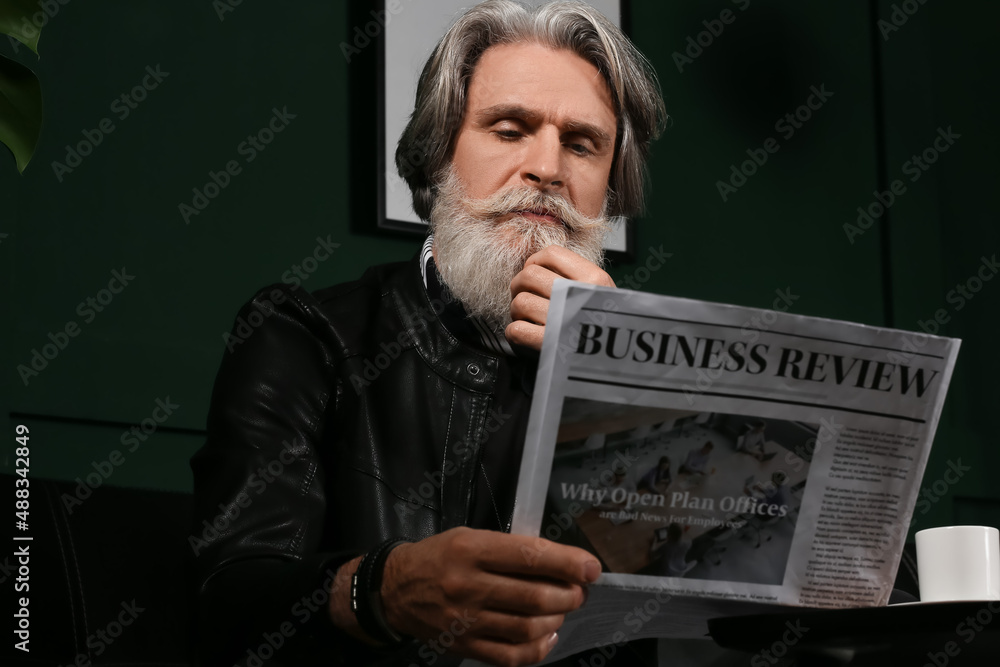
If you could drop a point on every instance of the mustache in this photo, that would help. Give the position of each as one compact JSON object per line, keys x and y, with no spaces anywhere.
{"x":481,"y":244}
{"x":516,"y":201}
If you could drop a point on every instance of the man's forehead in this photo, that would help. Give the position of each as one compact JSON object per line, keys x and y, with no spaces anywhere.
{"x":529,"y":80}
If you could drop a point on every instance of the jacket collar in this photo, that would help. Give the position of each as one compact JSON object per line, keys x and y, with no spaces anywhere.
{"x":466,"y":364}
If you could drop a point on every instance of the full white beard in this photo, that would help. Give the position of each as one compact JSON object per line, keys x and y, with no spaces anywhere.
{"x":479,"y":257}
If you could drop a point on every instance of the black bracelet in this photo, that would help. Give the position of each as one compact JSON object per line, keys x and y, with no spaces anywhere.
{"x":366,"y":594}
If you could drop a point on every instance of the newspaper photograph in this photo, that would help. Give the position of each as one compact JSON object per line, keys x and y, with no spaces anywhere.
{"x":702,"y":450}
{"x":679,"y":486}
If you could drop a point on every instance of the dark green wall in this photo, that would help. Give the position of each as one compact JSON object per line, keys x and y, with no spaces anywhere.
{"x":941,"y":69}
{"x":782,"y":230}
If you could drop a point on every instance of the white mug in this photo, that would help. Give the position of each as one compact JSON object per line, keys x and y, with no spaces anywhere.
{"x":958,"y":563}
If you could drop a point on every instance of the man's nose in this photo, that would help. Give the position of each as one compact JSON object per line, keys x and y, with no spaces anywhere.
{"x":543,"y":161}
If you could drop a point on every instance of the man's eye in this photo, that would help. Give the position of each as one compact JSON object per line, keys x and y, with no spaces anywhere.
{"x":508,"y":134}
{"x":579,"y":149}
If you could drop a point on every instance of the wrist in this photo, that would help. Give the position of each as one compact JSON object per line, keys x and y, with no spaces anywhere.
{"x":340,"y":598}
{"x":366,"y":594}
{"x":391,"y":581}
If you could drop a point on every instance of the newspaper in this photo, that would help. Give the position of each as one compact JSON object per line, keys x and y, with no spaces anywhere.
{"x":717,"y":458}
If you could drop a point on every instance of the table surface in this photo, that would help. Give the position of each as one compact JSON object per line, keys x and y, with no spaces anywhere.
{"x":952,"y":633}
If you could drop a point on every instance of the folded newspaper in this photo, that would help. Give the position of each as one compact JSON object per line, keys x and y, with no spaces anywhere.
{"x":720,"y":460}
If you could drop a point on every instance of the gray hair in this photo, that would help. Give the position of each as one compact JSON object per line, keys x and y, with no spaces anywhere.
{"x":425,"y":146}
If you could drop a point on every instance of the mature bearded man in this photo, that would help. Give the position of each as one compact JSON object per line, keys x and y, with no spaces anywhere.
{"x":401,"y":487}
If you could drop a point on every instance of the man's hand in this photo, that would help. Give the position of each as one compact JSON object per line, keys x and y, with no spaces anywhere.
{"x":531,"y":290}
{"x":495,"y":597}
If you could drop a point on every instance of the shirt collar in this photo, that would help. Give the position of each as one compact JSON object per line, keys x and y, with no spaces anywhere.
{"x":454,"y":317}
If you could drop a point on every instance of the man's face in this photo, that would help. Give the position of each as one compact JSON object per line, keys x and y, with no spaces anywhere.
{"x":529,"y":170}
{"x":541,"y":118}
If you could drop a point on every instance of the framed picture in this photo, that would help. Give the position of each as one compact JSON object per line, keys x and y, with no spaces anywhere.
{"x":388,"y":44}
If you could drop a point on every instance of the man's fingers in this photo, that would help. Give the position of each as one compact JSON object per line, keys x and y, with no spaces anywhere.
{"x":534,"y":279}
{"x":514,"y":628}
{"x":525,"y":334}
{"x":532,"y":597}
{"x":523,"y":555}
{"x":538,"y":557}
{"x":529,"y":308}
{"x":501,"y":653}
{"x":531,"y":289}
{"x":503,"y":553}
{"x":541,"y":269}
{"x":568,"y":264}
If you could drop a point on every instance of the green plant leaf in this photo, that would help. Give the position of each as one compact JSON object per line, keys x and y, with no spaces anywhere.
{"x":20,"y":110}
{"x":17,"y":20}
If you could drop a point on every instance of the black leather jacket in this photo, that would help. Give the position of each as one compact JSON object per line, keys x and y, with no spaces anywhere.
{"x":338,"y":420}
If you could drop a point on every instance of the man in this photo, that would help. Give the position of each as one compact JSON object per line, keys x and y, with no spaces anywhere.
{"x":775,"y":494}
{"x":752,"y":442}
{"x":669,"y":554}
{"x":537,"y":124}
{"x":696,"y":464}
{"x":618,"y":489}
